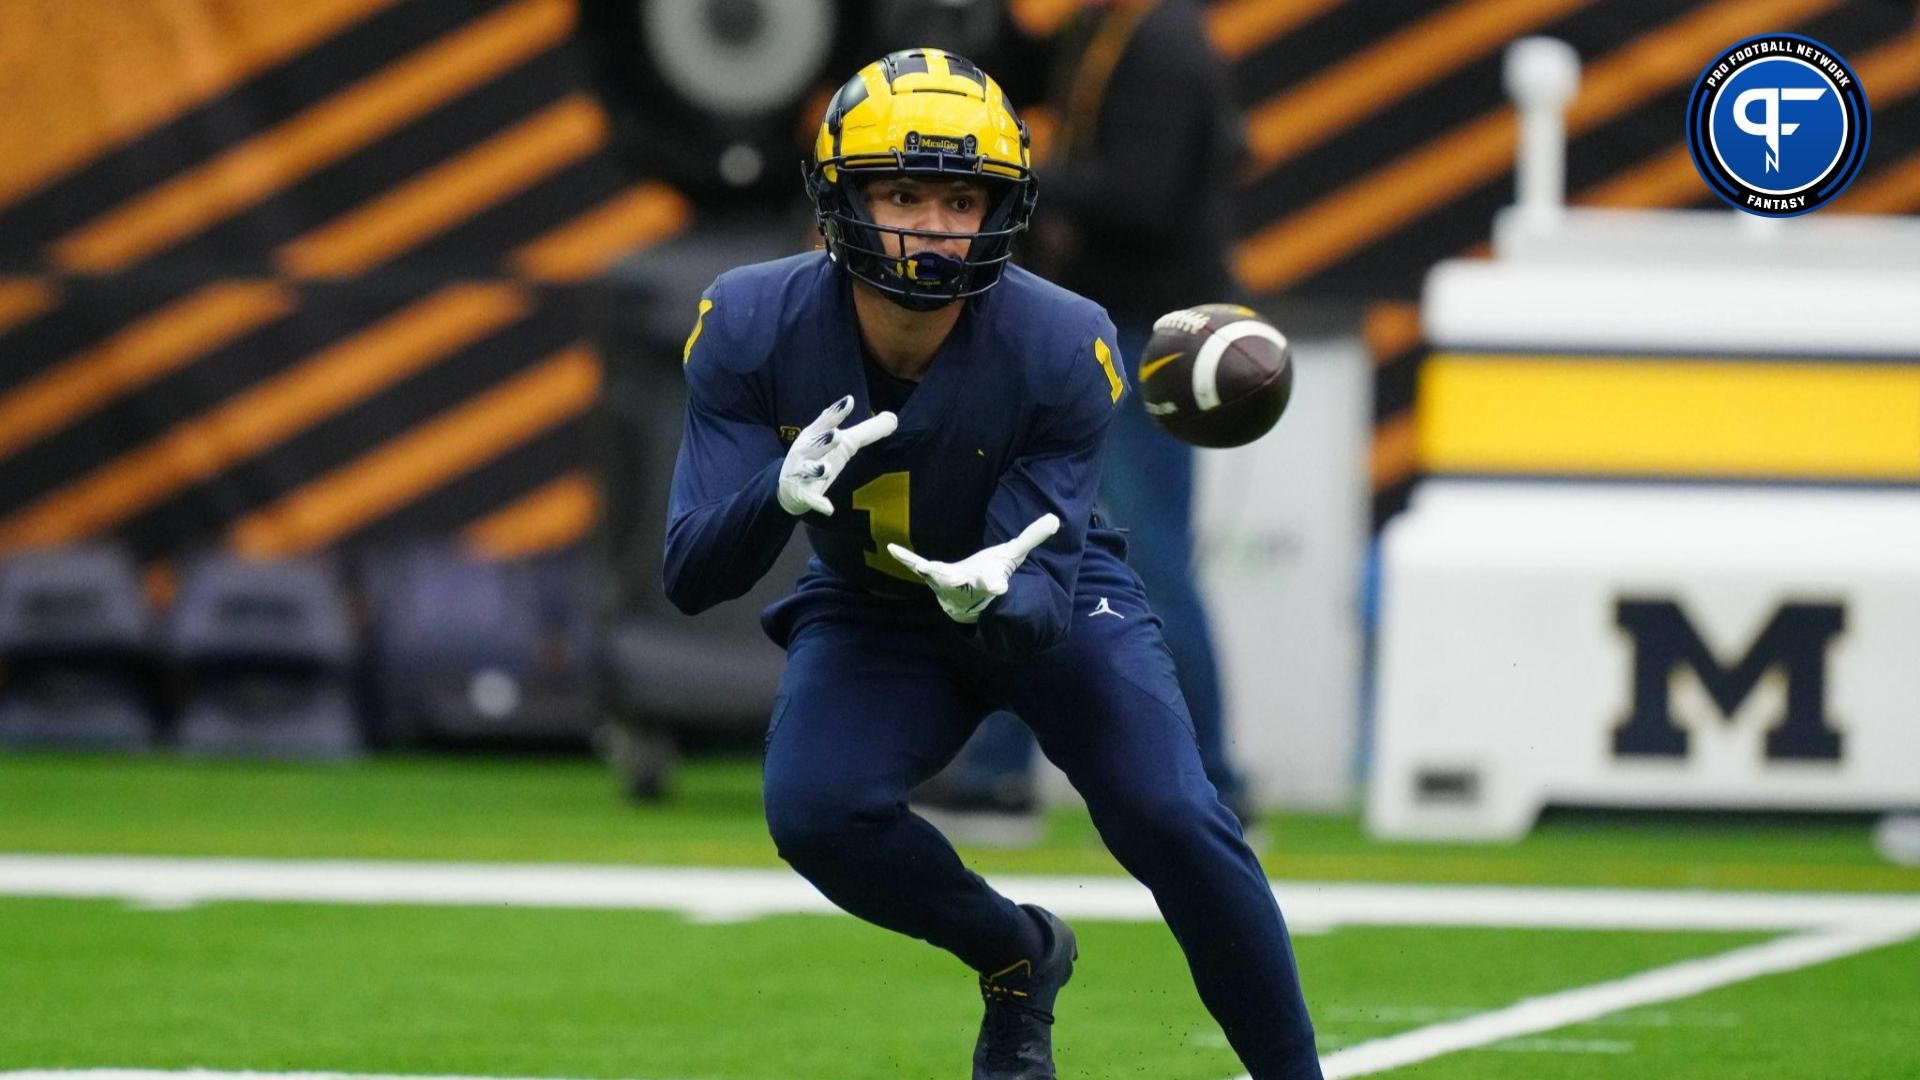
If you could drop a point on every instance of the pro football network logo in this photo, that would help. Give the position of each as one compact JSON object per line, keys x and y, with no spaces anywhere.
{"x":1778,"y":125}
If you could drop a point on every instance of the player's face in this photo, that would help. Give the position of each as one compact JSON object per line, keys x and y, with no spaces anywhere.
{"x":907,"y":202}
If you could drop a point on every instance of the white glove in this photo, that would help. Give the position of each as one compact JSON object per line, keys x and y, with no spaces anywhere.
{"x":965,"y":588}
{"x":819,"y":453}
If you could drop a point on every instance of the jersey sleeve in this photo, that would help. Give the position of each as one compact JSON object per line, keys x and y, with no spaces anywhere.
{"x":1058,"y":473}
{"x":725,"y":527}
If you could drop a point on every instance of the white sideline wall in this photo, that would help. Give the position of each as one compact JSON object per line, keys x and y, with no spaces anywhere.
{"x":1505,"y":669}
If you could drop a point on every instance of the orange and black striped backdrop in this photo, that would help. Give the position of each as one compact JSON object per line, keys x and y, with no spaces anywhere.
{"x":1382,"y":141}
{"x":287,"y":273}
{"x":291,"y":273}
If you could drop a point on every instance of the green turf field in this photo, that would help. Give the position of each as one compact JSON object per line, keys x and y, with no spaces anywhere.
{"x":526,"y":993}
{"x":516,"y":991}
{"x":568,"y":811}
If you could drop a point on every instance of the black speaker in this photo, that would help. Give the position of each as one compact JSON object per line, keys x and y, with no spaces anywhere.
{"x":721,"y":98}
{"x":712,"y":95}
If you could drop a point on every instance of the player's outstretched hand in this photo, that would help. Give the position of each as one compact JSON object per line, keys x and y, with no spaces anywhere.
{"x":965,"y":588}
{"x":821,"y":451}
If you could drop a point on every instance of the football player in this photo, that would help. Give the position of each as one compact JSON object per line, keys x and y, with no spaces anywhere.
{"x":934,"y":416}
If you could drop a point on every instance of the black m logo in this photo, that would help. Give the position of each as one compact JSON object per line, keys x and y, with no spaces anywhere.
{"x":1795,"y":640}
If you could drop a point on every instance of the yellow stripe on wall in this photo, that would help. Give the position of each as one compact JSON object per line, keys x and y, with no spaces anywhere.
{"x":23,"y":298}
{"x":83,"y":77}
{"x":1618,"y":416}
{"x":1238,"y":27}
{"x":151,"y":347}
{"x":552,"y":517}
{"x":1393,"y":457}
{"x":1322,"y":233}
{"x":328,"y":131}
{"x":636,"y":218}
{"x":1361,"y":85}
{"x":1669,"y":178}
{"x":267,"y":413}
{"x":450,"y":192}
{"x":1391,"y":328}
{"x":409,"y":466}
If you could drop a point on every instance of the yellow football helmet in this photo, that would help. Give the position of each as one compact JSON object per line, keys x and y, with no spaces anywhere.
{"x":922,"y":112}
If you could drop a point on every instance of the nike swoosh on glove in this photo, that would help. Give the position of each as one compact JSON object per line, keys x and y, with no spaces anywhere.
{"x":965,"y":588}
{"x":821,"y":451}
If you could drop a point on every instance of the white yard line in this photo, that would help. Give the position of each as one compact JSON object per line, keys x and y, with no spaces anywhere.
{"x":1832,"y":925}
{"x":718,"y":895}
{"x":1558,"y":1010}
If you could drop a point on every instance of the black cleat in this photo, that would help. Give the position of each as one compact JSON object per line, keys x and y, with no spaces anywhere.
{"x":1016,"y":1035}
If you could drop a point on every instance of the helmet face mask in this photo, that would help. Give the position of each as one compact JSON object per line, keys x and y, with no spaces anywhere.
{"x":930,"y":115}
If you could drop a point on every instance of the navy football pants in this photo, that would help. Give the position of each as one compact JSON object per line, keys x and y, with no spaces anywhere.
{"x":1147,"y":488}
{"x":869,"y":709}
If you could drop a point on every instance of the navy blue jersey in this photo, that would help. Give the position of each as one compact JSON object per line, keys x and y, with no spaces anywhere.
{"x":1007,"y":424}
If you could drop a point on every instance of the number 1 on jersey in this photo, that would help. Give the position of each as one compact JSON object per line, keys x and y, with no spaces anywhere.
{"x":884,"y":498}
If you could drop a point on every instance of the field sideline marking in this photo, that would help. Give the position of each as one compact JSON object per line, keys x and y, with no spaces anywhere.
{"x":1528,"y":1017}
{"x":1834,"y":925}
{"x":718,"y":895}
{"x":1549,"y":1012}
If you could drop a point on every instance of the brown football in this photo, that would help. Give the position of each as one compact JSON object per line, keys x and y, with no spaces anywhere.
{"x":1215,"y":375}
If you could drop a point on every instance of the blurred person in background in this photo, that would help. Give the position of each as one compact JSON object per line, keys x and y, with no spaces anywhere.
{"x":1137,"y":217}
{"x":977,"y":399}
